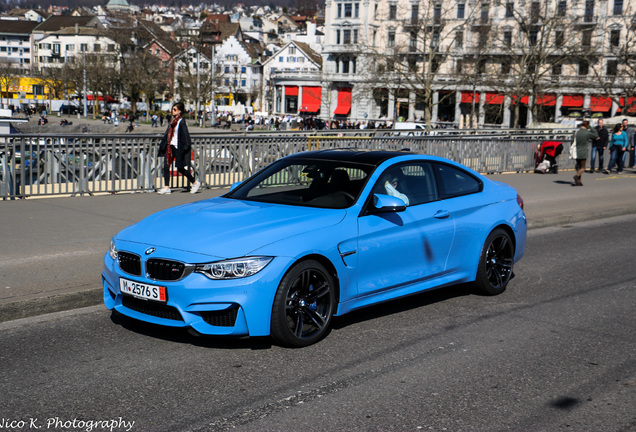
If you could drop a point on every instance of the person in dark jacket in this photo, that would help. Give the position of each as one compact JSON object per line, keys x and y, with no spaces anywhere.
{"x":176,"y":147}
{"x":584,"y":138}
{"x":599,"y":145}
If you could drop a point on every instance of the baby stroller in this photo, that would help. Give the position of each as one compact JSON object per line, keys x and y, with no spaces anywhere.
{"x":545,"y":157}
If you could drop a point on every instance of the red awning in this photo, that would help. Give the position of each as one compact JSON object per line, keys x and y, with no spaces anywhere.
{"x":600,"y":104}
{"x":291,"y":91}
{"x":546,"y":100}
{"x":516,"y":99}
{"x":573,"y":101}
{"x":100,"y":98}
{"x":344,"y":101}
{"x":494,"y":98}
{"x":630,"y":101}
{"x":467,"y":97}
{"x":311,"y":99}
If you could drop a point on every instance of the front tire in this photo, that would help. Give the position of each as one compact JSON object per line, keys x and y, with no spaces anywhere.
{"x":303,"y":305}
{"x":495,"y":263}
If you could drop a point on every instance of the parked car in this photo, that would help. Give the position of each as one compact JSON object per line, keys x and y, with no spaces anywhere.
{"x":314,"y":235}
{"x":69,"y":109}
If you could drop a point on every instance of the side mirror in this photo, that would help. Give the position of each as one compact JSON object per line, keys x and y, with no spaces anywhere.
{"x":234,"y":186}
{"x":387,"y":204}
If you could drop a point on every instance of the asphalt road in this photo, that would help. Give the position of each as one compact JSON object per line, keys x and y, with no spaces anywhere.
{"x":556,"y":351}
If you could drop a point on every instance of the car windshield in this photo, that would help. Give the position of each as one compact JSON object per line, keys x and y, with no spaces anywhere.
{"x":310,"y":183}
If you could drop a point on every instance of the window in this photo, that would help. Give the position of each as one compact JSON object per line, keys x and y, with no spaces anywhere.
{"x":392,"y":11}
{"x":227,"y":69}
{"x":97,"y":48}
{"x":413,"y":41}
{"x":584,"y":67}
{"x":615,"y":38}
{"x":533,"y":36}
{"x":481,"y":66}
{"x":589,"y":11}
{"x":535,"y":11}
{"x":346,"y":37}
{"x":612,"y":67}
{"x":459,"y":39}
{"x":111,"y":48}
{"x":345,"y":65}
{"x":618,"y":7}
{"x":485,"y":11}
{"x":454,"y":182}
{"x":339,"y":10}
{"x":348,"y":11}
{"x":355,"y":38}
{"x":505,"y":68}
{"x":243,"y":83}
{"x":559,"y":38}
{"x":586,"y":38}
{"x":461,"y":10}
{"x":356,"y":10}
{"x":415,"y":14}
{"x":83,"y":48}
{"x":391,"y":39}
{"x":56,"y":49}
{"x":415,"y":182}
{"x":561,"y":8}
{"x":507,"y":38}
{"x":243,"y":69}
{"x":337,"y":37}
{"x":510,"y":10}
{"x":556,"y":69}
{"x":437,"y":14}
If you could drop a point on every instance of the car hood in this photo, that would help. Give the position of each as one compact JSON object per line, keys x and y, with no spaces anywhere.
{"x":227,"y":228}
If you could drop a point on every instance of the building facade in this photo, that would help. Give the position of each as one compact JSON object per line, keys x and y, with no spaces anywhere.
{"x":502,"y":62}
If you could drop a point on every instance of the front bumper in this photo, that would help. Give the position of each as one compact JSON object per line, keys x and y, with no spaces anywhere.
{"x":237,"y":307}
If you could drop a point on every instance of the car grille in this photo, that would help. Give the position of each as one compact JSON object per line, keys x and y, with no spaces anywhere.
{"x":165,"y":270}
{"x":151,"y":308}
{"x":130,"y":263}
{"x":223,"y":318}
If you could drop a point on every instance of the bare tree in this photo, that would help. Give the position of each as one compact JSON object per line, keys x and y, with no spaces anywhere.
{"x":613,"y":59}
{"x":525,"y":52}
{"x":420,"y":50}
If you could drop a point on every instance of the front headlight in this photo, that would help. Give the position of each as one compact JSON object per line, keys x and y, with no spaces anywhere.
{"x":112,"y":250}
{"x":234,"y":268}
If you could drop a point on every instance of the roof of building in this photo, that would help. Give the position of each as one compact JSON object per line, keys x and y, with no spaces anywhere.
{"x":17,"y":27}
{"x":58,"y":22}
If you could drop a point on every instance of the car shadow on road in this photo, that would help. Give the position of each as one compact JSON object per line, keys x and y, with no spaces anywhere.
{"x":404,"y":304}
{"x":181,"y":335}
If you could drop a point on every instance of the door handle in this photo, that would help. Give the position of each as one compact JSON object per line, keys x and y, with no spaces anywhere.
{"x":442,"y":214}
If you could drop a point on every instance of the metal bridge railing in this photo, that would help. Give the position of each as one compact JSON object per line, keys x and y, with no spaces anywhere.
{"x":41,"y":165}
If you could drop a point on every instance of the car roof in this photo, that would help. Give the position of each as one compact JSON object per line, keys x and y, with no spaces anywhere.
{"x":367,"y":157}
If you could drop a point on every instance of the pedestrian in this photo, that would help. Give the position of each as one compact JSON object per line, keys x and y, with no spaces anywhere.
{"x":583,"y":137}
{"x":154,"y":120}
{"x":617,"y":146}
{"x":628,"y":156}
{"x":176,"y":147}
{"x":599,"y":146}
{"x":161,"y":119}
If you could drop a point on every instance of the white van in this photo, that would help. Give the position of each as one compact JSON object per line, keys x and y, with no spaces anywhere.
{"x":410,"y":128}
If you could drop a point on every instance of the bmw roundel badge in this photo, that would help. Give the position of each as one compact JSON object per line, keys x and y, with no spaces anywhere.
{"x":150,"y":250}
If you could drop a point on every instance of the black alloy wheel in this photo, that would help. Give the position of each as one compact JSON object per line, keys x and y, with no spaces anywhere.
{"x":303,"y":305}
{"x":495,"y":263}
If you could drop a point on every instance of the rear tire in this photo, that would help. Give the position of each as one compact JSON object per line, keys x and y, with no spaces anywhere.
{"x":495,"y":263}
{"x":303,"y":306}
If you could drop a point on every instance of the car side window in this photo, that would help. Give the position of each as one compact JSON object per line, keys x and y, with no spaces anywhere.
{"x":455,"y":182}
{"x":413,"y":183}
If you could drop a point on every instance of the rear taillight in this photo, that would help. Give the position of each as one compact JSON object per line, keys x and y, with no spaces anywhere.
{"x":520,"y":201}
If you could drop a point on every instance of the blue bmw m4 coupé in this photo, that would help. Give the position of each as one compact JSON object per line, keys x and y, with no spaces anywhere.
{"x":315,"y":235}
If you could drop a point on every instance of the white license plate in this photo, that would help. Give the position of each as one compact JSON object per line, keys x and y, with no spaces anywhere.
{"x":143,"y":290}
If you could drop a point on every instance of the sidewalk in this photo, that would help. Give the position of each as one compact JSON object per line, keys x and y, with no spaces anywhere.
{"x":52,"y":250}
